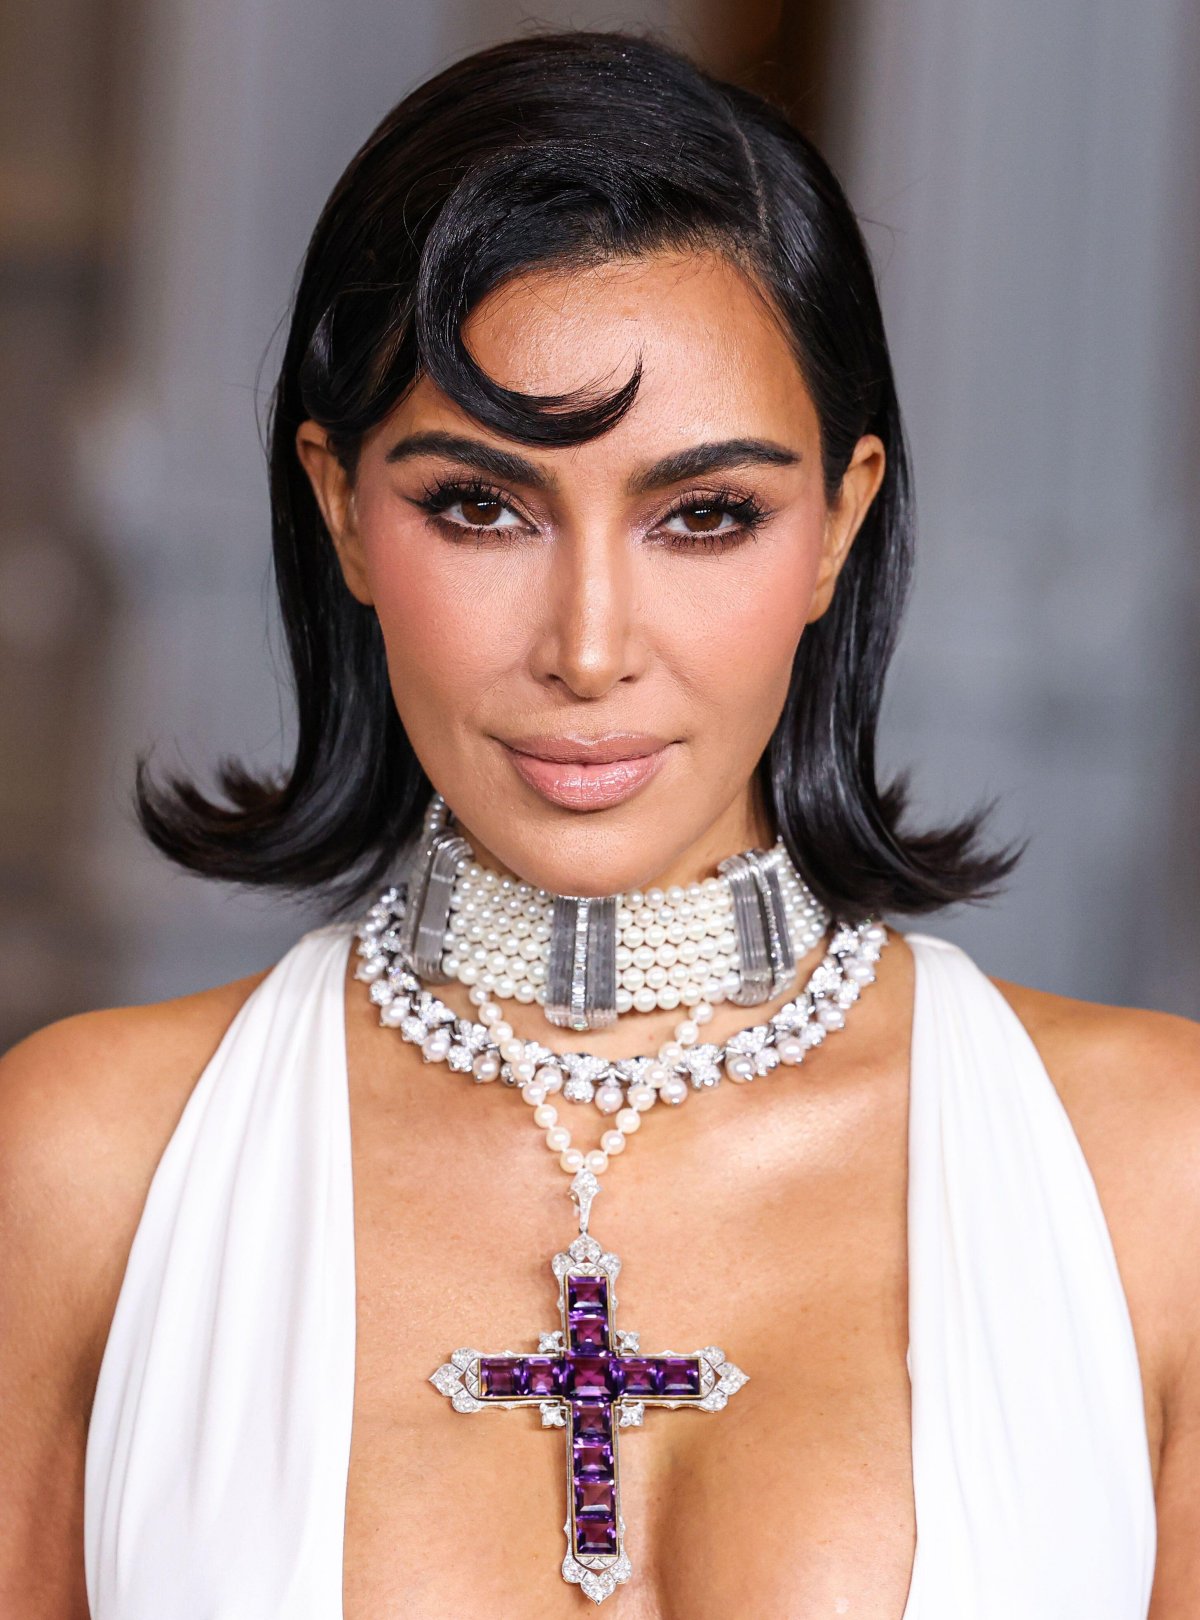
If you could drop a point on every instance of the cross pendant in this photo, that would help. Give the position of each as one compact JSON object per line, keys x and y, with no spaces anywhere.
{"x":591,"y":1381}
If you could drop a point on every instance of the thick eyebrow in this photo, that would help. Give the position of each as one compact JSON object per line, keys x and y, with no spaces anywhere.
{"x":502,"y":465}
{"x":709,"y":458}
{"x":509,"y":468}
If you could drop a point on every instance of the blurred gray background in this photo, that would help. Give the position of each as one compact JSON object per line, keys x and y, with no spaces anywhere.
{"x":1027,"y":174}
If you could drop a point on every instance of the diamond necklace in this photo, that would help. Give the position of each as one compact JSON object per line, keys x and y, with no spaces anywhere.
{"x":587,"y":1376}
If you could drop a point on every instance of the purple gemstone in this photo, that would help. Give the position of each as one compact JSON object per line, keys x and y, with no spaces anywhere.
{"x":596,"y":1498}
{"x":501,"y":1375}
{"x":587,"y":1296}
{"x":641,"y":1375}
{"x":680,"y":1375}
{"x":591,"y":1375}
{"x":589,"y":1332}
{"x":592,"y":1421}
{"x":592,"y":1460}
{"x":595,"y":1536}
{"x":543,"y":1375}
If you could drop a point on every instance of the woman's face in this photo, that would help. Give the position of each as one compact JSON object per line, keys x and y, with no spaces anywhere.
{"x":589,"y":647}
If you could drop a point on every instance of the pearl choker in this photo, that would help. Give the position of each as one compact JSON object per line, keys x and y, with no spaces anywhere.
{"x":587,"y":960}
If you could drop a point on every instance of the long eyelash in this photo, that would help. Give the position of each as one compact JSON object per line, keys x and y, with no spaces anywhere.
{"x":748,"y":512}
{"x":443,"y":493}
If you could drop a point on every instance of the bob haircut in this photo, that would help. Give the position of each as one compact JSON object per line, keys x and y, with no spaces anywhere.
{"x":561,"y":150}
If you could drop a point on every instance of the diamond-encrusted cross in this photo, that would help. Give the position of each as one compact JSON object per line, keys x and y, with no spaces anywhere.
{"x":591,"y":1380}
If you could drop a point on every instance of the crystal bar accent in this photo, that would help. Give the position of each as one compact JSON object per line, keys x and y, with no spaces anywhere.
{"x":581,"y":975}
{"x":764,"y":943}
{"x":779,"y":939}
{"x":437,"y":815}
{"x":433,"y":908}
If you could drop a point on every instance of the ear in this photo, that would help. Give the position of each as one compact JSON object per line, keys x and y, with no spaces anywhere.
{"x":860,"y":485}
{"x":334,"y":491}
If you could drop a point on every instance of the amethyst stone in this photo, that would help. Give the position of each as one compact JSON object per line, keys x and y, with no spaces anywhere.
{"x":592,"y":1421}
{"x":595,"y":1536}
{"x":501,"y":1375}
{"x":680,"y":1375}
{"x":592,"y":1375}
{"x":595,"y":1498}
{"x":641,"y":1375}
{"x":589,"y":1333}
{"x":587,"y":1296}
{"x":593,"y":1460}
{"x":543,"y":1375}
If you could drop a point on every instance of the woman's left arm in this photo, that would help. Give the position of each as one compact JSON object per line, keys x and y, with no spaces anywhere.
{"x":1172,"y":1176}
{"x":1130,"y":1082}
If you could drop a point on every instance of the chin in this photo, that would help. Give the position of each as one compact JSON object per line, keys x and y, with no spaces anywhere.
{"x":581,"y":852}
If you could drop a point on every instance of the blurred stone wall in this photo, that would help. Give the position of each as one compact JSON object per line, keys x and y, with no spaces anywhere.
{"x":1028,"y":175}
{"x":59,"y":211}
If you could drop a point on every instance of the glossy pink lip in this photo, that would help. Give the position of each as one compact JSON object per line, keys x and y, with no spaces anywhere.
{"x":587,"y":774}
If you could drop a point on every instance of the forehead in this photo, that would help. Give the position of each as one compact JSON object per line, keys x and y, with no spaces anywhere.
{"x":716,"y":360}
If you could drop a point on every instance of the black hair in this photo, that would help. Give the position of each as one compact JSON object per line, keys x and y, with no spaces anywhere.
{"x":553,"y":150}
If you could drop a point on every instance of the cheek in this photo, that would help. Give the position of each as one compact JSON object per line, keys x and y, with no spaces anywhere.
{"x":730,"y":625}
{"x":450,"y":633}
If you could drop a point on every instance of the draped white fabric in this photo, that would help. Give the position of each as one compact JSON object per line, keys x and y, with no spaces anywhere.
{"x":220,"y":1436}
{"x":1031,"y":1465}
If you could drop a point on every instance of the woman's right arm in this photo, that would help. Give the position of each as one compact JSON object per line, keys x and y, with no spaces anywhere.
{"x":86,"y":1109}
{"x":60,"y":1223}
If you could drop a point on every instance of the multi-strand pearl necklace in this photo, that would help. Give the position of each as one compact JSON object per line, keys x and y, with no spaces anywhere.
{"x":623,"y":1088}
{"x":674,"y":947}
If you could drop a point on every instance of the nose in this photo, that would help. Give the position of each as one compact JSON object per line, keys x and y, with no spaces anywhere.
{"x":591,"y":636}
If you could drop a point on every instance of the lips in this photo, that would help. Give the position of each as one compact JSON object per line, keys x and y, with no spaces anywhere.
{"x":587,"y":773}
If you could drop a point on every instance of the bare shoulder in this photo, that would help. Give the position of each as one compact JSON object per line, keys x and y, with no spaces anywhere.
{"x":1115,"y":1062}
{"x":1129,"y":1080}
{"x":98,"y":1088}
{"x":86,"y":1108}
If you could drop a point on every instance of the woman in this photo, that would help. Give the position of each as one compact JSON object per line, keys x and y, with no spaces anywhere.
{"x":591,"y":512}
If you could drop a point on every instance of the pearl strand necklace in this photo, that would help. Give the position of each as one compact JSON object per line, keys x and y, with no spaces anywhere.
{"x":489,"y":1050}
{"x":675,"y":946}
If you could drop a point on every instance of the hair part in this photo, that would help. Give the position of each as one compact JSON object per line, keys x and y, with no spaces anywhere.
{"x":549,"y":152}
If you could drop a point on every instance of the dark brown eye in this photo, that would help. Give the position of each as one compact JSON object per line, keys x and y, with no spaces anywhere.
{"x":712,"y":521}
{"x":702,"y":519}
{"x":483,"y":512}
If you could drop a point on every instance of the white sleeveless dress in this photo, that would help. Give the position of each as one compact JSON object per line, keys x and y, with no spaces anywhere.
{"x":219,"y":1441}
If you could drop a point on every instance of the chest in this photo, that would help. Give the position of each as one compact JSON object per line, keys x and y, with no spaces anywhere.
{"x":787,"y":1249}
